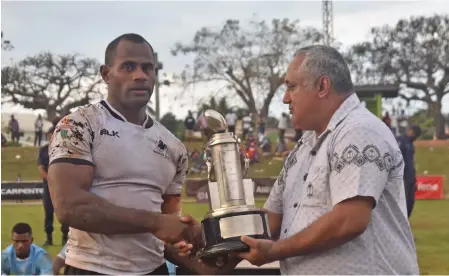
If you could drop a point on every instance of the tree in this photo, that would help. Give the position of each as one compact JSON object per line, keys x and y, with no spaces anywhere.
{"x":54,"y":83}
{"x":169,"y":121}
{"x":6,"y":44}
{"x":251,"y":61}
{"x":221,"y":107}
{"x":413,"y":54}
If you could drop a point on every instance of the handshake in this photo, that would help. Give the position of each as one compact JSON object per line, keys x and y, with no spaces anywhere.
{"x":185,"y":233}
{"x":183,"y":239}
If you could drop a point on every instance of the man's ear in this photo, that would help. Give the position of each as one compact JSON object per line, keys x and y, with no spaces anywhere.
{"x":104,"y":71}
{"x":324,"y":85}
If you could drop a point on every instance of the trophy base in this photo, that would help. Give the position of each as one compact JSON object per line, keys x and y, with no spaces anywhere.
{"x":222,"y":233}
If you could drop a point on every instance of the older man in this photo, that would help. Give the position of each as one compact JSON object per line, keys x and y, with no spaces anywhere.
{"x":338,"y":206}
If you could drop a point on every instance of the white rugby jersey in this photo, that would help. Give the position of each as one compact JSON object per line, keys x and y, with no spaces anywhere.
{"x":134,"y":166}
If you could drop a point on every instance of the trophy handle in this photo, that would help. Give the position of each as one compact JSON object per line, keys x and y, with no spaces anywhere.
{"x":209,"y":165}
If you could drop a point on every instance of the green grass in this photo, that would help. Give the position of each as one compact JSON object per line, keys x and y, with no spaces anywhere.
{"x":430,"y":220}
{"x":430,"y":225}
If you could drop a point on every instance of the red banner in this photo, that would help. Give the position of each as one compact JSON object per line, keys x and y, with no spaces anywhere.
{"x":429,"y":187}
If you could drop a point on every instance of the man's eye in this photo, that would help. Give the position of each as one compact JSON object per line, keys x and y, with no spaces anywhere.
{"x":128,"y":67}
{"x":290,"y":86}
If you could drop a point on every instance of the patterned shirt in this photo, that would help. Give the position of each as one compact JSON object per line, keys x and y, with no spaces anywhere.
{"x":133,"y":167}
{"x":357,"y":155}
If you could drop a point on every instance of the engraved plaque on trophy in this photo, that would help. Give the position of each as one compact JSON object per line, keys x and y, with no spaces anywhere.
{"x":232,"y":211}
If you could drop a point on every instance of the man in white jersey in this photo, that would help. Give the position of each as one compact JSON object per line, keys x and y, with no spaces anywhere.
{"x":338,"y":206}
{"x":115,"y":175}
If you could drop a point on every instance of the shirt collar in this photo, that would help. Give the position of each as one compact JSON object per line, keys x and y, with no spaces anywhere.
{"x":343,"y":111}
{"x":147,"y":123}
{"x":339,"y":115}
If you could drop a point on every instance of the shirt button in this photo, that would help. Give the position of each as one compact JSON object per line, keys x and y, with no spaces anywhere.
{"x":305,"y":176}
{"x":295,"y":205}
{"x":285,"y":231}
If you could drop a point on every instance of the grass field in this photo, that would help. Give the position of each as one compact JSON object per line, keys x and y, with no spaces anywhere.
{"x":430,"y":220}
{"x":430,"y":224}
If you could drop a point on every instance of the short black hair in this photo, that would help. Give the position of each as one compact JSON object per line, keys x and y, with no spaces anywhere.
{"x":110,"y":50}
{"x":22,"y":228}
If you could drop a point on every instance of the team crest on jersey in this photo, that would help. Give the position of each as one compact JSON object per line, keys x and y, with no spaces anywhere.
{"x":161,"y":148}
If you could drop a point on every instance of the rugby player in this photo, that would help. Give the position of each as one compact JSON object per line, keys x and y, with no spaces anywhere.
{"x":115,"y":175}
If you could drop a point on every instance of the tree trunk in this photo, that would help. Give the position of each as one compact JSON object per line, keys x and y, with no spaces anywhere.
{"x":439,"y":121}
{"x":51,"y":113}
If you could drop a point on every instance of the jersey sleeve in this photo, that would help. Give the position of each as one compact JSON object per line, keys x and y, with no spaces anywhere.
{"x":361,"y":162}
{"x":45,"y":264}
{"x":72,"y":141}
{"x":274,"y":202}
{"x":182,"y":166}
{"x":5,"y":264}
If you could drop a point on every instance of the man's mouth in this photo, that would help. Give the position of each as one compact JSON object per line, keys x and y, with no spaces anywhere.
{"x":140,"y":91}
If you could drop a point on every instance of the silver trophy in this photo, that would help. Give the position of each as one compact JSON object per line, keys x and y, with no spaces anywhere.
{"x":232,"y":212}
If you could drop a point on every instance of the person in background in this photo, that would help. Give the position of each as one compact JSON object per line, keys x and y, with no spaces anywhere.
{"x":231,"y":119}
{"x":14,"y":128}
{"x":394,"y":125}
{"x":386,"y":119}
{"x":189,"y":124}
{"x":408,"y":152}
{"x":403,"y":123}
{"x":247,"y":122}
{"x":42,"y":164}
{"x":38,"y":125}
{"x":59,"y":261}
{"x":23,"y":257}
{"x":283,"y":125}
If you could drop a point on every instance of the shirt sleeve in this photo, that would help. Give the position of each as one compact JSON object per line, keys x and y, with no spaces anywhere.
{"x":45,"y":264}
{"x":72,"y":141}
{"x":361,"y":162}
{"x":274,"y":202}
{"x":5,"y":264}
{"x":182,"y":166}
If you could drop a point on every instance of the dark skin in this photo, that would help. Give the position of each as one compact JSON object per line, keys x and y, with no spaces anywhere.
{"x":22,"y":244}
{"x":130,"y":78}
{"x":348,"y":219}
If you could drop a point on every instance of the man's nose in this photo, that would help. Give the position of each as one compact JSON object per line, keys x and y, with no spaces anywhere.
{"x":140,"y":74}
{"x":286,"y":99}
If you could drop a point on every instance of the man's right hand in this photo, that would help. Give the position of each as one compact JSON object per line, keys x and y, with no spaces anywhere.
{"x":172,"y":229}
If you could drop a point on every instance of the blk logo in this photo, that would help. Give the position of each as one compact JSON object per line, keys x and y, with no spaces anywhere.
{"x":109,"y":133}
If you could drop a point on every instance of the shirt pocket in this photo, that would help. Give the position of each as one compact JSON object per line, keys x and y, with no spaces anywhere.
{"x":315,"y":191}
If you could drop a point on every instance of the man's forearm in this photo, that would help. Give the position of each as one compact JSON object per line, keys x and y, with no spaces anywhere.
{"x":329,"y":231}
{"x":91,"y":213}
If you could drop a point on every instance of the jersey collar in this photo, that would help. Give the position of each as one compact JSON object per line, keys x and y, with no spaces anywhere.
{"x":146,"y":124}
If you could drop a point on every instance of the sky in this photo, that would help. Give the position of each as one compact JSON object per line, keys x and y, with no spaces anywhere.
{"x":87,"y":27}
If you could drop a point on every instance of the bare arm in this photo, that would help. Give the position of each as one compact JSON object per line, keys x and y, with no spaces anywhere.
{"x":345,"y":222}
{"x":274,"y":221}
{"x":57,"y":265}
{"x":76,"y":206}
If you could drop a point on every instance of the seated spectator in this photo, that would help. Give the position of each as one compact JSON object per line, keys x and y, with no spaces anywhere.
{"x":23,"y":257}
{"x":196,"y":157}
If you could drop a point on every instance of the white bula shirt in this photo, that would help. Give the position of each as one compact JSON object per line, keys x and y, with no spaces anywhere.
{"x":356,"y":156}
{"x":134,"y":165}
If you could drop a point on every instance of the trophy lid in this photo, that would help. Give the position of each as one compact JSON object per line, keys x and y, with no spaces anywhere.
{"x":213,"y":122}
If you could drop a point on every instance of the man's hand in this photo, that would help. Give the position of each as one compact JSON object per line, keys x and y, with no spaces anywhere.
{"x":185,"y":248}
{"x":173,"y":230}
{"x":261,"y":251}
